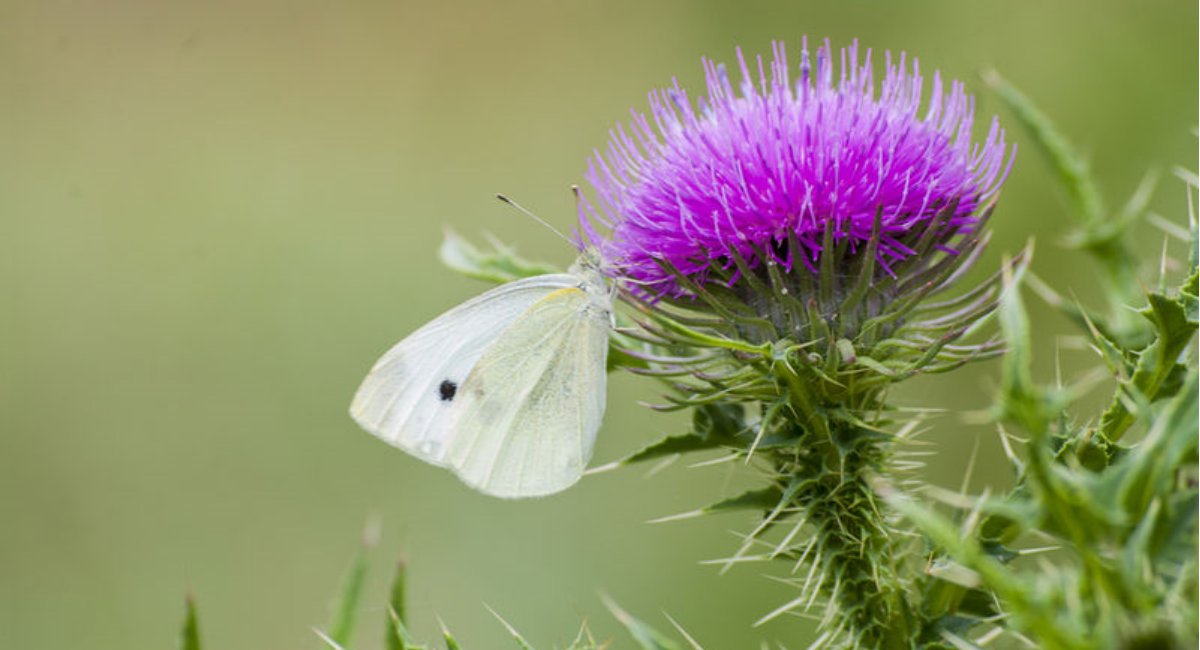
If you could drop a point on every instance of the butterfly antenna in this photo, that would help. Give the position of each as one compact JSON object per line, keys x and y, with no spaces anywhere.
{"x":534,"y":217}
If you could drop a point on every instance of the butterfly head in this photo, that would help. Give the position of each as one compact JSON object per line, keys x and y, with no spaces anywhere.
{"x":588,"y":267}
{"x":589,"y":259}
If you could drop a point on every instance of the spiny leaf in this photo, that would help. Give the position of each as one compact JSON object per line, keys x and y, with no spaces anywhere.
{"x":1020,"y":398}
{"x":401,"y":634}
{"x":1069,"y":166}
{"x":513,"y":631}
{"x":1177,"y":543}
{"x":189,"y":634}
{"x":713,"y":425}
{"x":1137,"y":557}
{"x":345,"y":607}
{"x":333,"y":645}
{"x":1151,"y":469}
{"x":684,"y":633}
{"x":1088,"y":319}
{"x":1171,"y":322}
{"x":1157,"y":367}
{"x":1189,"y":289}
{"x":1101,"y":234}
{"x":1021,"y":596}
{"x":669,"y":446}
{"x":645,"y":636}
{"x":393,"y":637}
{"x":719,"y":420}
{"x":1115,"y":357}
{"x":1188,"y":294}
{"x":749,"y":500}
{"x":451,"y":642}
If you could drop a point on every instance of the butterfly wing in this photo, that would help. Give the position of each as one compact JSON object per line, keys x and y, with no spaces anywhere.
{"x":525,"y":420}
{"x":407,"y":398}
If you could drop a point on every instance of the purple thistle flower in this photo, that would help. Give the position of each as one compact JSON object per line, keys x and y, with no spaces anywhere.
{"x":778,"y":159}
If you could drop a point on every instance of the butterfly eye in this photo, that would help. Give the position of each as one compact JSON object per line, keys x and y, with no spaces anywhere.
{"x":447,"y":390}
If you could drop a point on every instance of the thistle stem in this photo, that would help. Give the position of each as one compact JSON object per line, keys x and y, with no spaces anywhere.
{"x":856,"y":568}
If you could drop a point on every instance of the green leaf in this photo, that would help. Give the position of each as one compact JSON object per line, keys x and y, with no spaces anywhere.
{"x":1070,"y":168}
{"x":189,"y":634}
{"x":1101,"y":234}
{"x":345,"y":606}
{"x":713,"y":425}
{"x":761,"y":499}
{"x":1137,"y":558}
{"x":1177,"y":533}
{"x":1187,"y":295}
{"x":513,"y":631}
{"x":645,"y":636}
{"x":1115,"y":357}
{"x":1106,"y":339}
{"x":1171,"y":322}
{"x":1020,"y":399}
{"x":720,"y":421}
{"x":1157,"y":366}
{"x":394,"y":634}
{"x":1150,"y":470}
{"x":502,"y":265}
{"x":333,"y":645}
{"x":1025,"y":601}
{"x":451,"y":642}
{"x":962,"y":548}
{"x":401,"y":634}
{"x":669,"y":446}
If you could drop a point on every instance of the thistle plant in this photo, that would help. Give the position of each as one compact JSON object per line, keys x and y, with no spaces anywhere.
{"x":791,"y":249}
{"x":787,"y":249}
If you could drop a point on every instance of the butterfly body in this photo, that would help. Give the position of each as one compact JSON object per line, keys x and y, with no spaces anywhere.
{"x":507,"y":389}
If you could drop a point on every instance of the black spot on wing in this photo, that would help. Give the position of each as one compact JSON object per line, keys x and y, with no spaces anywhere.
{"x":447,"y":389}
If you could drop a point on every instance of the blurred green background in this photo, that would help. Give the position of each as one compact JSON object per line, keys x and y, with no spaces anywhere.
{"x":216,"y":215}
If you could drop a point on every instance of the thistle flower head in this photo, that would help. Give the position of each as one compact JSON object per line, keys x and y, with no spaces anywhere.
{"x":760,"y":172}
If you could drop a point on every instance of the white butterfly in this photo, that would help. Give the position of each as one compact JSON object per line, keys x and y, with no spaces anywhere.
{"x":506,"y":389}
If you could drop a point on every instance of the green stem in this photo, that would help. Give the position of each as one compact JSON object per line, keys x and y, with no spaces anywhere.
{"x":857,"y":552}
